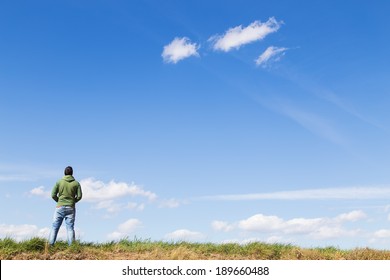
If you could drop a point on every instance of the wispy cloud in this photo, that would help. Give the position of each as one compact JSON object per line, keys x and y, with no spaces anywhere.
{"x":316,"y":228}
{"x":312,"y":194}
{"x":346,"y":106}
{"x":172,"y":203}
{"x":314,"y":89}
{"x":313,"y":122}
{"x":179,"y":49}
{"x":124,"y":229}
{"x":135,"y":206}
{"x":270,"y":54}
{"x":222,"y":226}
{"x":24,"y":173}
{"x":15,"y":178}
{"x":238,"y":36}
{"x":184,"y":235}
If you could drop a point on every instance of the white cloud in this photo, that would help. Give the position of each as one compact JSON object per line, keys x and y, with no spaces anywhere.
{"x":40,"y":191}
{"x":94,"y":190}
{"x":179,"y":49}
{"x":129,"y":226}
{"x":222,"y":226}
{"x":383,"y":233}
{"x":109,"y":205}
{"x":125,"y":229}
{"x":312,"y":194}
{"x":26,"y":231}
{"x":303,"y":226}
{"x":262,"y":223}
{"x":19,"y":232}
{"x":318,"y":228}
{"x":380,"y":237}
{"x":270,"y":54}
{"x":351,"y":216}
{"x":332,"y":232}
{"x":113,"y":207}
{"x":185,"y":235}
{"x":237,"y":36}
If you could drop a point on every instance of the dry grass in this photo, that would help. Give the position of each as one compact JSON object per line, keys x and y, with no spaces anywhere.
{"x":37,"y":249}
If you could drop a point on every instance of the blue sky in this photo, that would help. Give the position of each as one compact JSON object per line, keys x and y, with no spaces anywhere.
{"x":204,"y":121}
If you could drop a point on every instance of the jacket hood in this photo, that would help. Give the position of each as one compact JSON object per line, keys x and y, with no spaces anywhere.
{"x":68,"y":178}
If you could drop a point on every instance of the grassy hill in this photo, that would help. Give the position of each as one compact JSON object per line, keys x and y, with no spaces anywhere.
{"x":38,"y":249}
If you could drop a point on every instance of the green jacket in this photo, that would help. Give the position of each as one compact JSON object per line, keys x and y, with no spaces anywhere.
{"x":67,"y":191}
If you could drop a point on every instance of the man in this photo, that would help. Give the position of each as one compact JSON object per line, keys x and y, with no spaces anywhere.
{"x":66,"y":192}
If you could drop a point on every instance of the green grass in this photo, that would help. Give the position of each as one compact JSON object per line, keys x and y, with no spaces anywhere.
{"x":37,"y":248}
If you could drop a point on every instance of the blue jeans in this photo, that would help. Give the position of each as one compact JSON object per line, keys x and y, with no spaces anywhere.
{"x":69,"y":214}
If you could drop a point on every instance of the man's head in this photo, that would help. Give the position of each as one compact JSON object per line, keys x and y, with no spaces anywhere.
{"x":68,"y":170}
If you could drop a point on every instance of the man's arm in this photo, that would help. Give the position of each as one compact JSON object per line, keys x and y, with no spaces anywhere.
{"x":54,"y":192}
{"x":79,"y":194}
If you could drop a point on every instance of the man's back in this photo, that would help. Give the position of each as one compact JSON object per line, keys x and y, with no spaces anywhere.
{"x":67,"y":191}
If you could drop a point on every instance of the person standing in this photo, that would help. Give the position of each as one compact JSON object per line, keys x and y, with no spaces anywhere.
{"x":66,"y":192}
